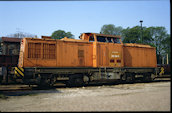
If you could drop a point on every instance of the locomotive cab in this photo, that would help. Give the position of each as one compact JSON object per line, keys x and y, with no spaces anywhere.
{"x":107,"y":49}
{"x":93,"y":37}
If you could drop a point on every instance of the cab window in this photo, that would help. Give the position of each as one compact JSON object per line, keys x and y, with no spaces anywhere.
{"x":91,"y":39}
{"x":109,"y":39}
{"x":116,"y":40}
{"x":101,"y":39}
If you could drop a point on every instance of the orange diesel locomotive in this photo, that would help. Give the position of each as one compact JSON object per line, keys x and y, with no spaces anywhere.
{"x":93,"y":58}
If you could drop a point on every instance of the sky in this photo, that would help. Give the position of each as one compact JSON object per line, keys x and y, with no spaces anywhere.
{"x":42,"y":18}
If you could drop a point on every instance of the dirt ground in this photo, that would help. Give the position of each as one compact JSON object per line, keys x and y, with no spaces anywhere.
{"x":155,"y":96}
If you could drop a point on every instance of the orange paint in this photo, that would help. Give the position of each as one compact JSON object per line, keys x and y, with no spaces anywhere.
{"x":86,"y":52}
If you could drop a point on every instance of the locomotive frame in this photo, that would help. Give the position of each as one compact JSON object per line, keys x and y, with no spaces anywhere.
{"x":107,"y":71}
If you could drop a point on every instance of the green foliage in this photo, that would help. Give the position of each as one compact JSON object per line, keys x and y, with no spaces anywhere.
{"x":166,"y":47}
{"x":147,"y":38}
{"x":131,"y":35}
{"x":160,"y":40}
{"x":110,"y":29}
{"x":59,"y":34}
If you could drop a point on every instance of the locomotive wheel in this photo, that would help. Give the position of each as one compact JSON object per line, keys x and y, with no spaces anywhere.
{"x":123,"y":78}
{"x":45,"y":82}
{"x":128,"y":77}
{"x":79,"y":82}
{"x":75,"y":81}
{"x":147,"y":78}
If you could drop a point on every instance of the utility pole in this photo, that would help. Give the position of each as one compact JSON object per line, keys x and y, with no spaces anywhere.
{"x":167,"y":58}
{"x":141,"y":31}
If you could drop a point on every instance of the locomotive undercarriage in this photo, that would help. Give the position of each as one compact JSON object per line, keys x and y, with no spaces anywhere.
{"x":83,"y":76}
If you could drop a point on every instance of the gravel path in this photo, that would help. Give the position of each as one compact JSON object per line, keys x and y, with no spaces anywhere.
{"x":122,"y":97}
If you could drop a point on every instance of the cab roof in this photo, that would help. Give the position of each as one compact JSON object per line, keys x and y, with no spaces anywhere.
{"x":115,"y":36}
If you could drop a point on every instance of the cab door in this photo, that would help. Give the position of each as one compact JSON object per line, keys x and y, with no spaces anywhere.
{"x":116,"y":53}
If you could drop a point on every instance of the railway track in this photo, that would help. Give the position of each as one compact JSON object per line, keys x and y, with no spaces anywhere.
{"x":22,"y":90}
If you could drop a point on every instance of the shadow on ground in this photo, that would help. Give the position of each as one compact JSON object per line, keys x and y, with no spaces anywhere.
{"x":25,"y":90}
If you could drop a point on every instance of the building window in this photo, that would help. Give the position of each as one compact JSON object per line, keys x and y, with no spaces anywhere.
{"x":10,"y":51}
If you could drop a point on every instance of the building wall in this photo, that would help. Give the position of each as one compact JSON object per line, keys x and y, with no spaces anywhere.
{"x":10,"y":48}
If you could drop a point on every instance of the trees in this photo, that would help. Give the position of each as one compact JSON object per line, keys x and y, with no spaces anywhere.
{"x":167,"y":47}
{"x":131,"y":35}
{"x":110,"y":29}
{"x":21,"y":35}
{"x":161,"y":40}
{"x":59,"y":34}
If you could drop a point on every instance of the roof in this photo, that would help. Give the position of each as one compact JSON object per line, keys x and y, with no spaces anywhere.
{"x":10,"y":39}
{"x":116,"y":36}
{"x":137,"y":45}
{"x":70,"y":39}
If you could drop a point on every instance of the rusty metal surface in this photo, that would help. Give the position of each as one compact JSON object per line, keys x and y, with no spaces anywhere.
{"x":55,"y":53}
{"x":9,"y":39}
{"x":139,"y":56}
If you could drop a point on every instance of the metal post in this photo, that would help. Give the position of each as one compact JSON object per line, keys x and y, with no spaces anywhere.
{"x":141,"y":31}
{"x":167,"y":58}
